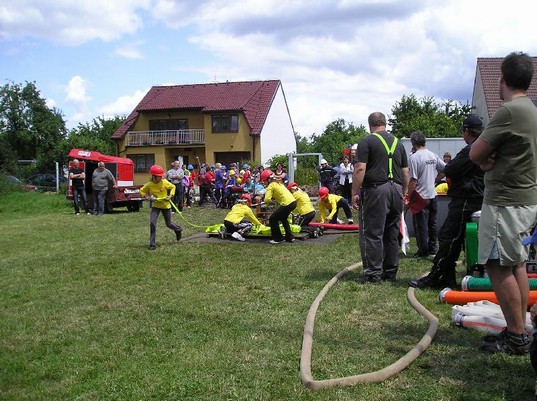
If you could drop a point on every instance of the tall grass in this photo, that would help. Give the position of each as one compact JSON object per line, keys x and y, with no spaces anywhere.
{"x":88,"y":313}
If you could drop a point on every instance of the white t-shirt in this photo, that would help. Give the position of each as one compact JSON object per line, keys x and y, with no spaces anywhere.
{"x":424,"y":167}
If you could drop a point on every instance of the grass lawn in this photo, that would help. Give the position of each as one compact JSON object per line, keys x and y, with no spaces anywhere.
{"x":88,"y":313}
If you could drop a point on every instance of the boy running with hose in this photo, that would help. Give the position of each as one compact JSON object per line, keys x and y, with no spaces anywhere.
{"x":160,"y":191}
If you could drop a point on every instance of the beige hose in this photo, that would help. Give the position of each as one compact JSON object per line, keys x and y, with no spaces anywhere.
{"x":373,"y":377}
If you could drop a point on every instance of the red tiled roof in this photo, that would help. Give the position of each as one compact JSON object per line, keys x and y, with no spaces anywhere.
{"x":490,"y":70}
{"x":253,"y":98}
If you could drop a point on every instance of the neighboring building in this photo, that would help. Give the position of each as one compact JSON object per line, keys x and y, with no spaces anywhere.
{"x":486,"y":98}
{"x":219,"y":122}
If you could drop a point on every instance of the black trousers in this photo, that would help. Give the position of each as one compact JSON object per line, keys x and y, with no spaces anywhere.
{"x":280,"y":215}
{"x":425,"y":228}
{"x":452,"y":235}
{"x":380,"y":215}
{"x":305,"y":219}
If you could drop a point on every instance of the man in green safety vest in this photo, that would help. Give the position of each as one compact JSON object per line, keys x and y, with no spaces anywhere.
{"x":379,"y":183}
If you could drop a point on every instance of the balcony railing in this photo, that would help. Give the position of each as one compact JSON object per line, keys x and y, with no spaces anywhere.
{"x":168,"y":137}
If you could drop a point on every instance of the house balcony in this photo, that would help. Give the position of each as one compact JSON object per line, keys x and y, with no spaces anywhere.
{"x":167,"y":137}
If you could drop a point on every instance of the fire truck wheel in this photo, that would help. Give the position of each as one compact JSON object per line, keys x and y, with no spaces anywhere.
{"x":133,"y":207}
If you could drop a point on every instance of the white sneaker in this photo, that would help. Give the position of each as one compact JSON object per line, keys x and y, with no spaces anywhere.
{"x":350,"y":221}
{"x":274,"y":242}
{"x":237,"y":236}
{"x":339,"y":221}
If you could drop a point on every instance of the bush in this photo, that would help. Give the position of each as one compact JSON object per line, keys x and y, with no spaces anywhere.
{"x":306,"y":176}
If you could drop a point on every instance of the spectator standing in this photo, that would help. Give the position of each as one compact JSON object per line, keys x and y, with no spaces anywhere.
{"x":192,"y":184}
{"x":326,"y":175}
{"x":206,"y":187}
{"x":380,"y":180}
{"x":280,"y":174}
{"x":466,"y":193}
{"x":175,"y":175}
{"x":77,"y":176}
{"x":424,"y":168}
{"x":101,"y":180}
{"x":219,"y":183}
{"x":507,"y":151}
{"x":345,"y":178}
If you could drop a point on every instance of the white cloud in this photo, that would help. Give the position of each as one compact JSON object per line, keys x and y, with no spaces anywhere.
{"x":76,"y":91}
{"x":337,"y":59}
{"x":71,"y":22}
{"x":78,"y":99}
{"x":130,"y":50}
{"x":51,"y":103}
{"x":123,"y":105}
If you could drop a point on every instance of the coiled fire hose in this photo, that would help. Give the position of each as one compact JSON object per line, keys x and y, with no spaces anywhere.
{"x":372,"y":377}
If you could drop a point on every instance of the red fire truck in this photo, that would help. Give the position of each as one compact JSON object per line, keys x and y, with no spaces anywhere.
{"x":125,"y":195}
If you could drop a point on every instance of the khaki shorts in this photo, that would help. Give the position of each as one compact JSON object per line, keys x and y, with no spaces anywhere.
{"x":501,"y":231}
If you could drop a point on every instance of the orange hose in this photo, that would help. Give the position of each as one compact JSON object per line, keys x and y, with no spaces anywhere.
{"x":449,"y":296}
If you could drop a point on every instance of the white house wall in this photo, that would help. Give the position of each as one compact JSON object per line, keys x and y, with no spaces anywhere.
{"x":478,"y":99}
{"x":277,"y":136}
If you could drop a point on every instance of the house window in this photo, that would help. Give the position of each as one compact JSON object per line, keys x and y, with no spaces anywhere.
{"x":225,"y":123}
{"x":168,"y":124}
{"x":142,"y":163}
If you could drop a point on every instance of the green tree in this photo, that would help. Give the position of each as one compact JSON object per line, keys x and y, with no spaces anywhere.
{"x":95,"y":135}
{"x":29,"y":129}
{"x":435,"y":120}
{"x":337,"y":136}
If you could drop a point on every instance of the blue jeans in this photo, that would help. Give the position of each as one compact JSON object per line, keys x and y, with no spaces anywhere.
{"x":99,"y":198}
{"x":80,"y":191}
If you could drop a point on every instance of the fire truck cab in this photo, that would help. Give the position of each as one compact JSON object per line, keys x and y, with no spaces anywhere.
{"x":125,"y":195}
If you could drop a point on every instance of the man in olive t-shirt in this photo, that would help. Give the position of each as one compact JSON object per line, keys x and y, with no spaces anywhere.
{"x":507,"y":151}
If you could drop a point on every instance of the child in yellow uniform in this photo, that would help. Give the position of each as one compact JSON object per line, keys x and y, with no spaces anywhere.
{"x":332,"y":203}
{"x":238,"y":221}
{"x":160,"y":191}
{"x":304,"y":208}
{"x":276,"y":190}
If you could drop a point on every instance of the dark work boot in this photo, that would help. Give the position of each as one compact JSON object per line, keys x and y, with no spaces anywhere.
{"x":431,"y":280}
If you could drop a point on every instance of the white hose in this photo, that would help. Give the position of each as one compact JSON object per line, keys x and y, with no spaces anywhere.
{"x":373,"y":377}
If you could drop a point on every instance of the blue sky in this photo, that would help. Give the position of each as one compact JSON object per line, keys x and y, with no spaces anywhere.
{"x":336,"y":59}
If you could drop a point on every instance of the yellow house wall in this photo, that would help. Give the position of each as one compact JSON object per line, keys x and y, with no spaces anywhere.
{"x":220,"y":142}
{"x":239,"y":141}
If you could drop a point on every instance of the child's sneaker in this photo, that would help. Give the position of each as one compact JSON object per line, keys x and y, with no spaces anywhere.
{"x":237,"y":236}
{"x":350,"y":221}
{"x":178,"y":235}
{"x":222,"y":232}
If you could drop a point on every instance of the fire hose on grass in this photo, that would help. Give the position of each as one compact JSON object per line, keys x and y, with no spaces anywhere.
{"x":372,"y":377}
{"x":176,"y":210}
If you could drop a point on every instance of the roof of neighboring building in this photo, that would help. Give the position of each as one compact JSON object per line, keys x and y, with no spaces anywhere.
{"x":253,"y":98}
{"x":490,"y":71}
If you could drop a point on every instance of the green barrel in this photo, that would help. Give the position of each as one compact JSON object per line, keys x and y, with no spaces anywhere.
{"x":471,"y":246}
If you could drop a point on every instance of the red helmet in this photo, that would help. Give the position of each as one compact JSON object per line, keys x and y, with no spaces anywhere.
{"x":248,"y":198}
{"x":292,"y":185}
{"x":323,"y":192}
{"x":265,"y":175}
{"x":157,"y":170}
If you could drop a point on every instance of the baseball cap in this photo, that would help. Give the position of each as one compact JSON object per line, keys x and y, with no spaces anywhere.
{"x":472,"y":121}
